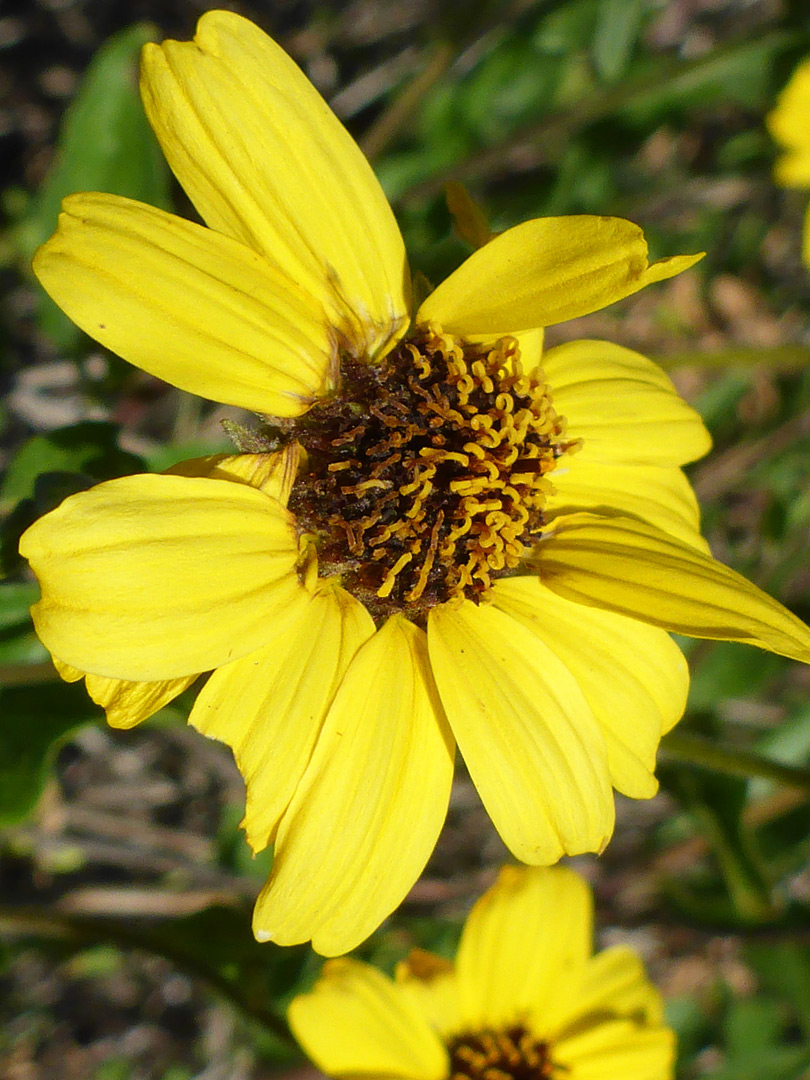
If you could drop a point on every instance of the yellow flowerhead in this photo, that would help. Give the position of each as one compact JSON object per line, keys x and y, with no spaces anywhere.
{"x":449,"y":539}
{"x":525,"y":1000}
{"x":789,"y":124}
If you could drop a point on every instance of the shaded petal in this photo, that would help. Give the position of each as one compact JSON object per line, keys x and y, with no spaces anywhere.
{"x":264,"y":160}
{"x":530,"y":343}
{"x":659,"y":494}
{"x":66,"y":672}
{"x":531,"y":347}
{"x":524,"y":944}
{"x":546,"y":271}
{"x":371,"y":803}
{"x":269,"y":706}
{"x":634,"y":677}
{"x":274,"y":474}
{"x":188,"y":305}
{"x":531,"y":743}
{"x":634,"y":569}
{"x":618,"y":1048}
{"x":356,"y":1022}
{"x":128,"y":703}
{"x":148,"y":578}
{"x":622,"y":405}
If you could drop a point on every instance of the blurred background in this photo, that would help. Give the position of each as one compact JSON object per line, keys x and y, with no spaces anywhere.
{"x":125,"y":883}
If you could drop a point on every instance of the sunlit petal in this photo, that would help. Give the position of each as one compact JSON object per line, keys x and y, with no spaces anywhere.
{"x":265,"y":161}
{"x":184,"y":303}
{"x":528,"y":736}
{"x":634,"y":569}
{"x":148,"y":578}
{"x":622,"y":405}
{"x":546,"y":271}
{"x":633,"y":676}
{"x":368,"y":810}
{"x":269,"y":706}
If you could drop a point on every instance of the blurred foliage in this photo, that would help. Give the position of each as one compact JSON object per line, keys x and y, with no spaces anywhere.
{"x":570,"y":106}
{"x":26,"y":748}
{"x":106,"y":145}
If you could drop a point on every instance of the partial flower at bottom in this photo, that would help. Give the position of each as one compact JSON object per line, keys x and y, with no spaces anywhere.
{"x":446,"y":536}
{"x":524,"y":1000}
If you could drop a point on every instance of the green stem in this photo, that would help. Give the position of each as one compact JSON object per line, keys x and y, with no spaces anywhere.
{"x":781,"y":358}
{"x":694,"y":750}
{"x":550,"y":137}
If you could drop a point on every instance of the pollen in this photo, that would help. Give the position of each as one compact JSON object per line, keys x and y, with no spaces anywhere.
{"x":511,"y":1054}
{"x":427,"y":474}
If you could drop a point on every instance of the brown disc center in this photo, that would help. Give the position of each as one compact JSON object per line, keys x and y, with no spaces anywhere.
{"x":426,"y":475}
{"x":511,"y":1054}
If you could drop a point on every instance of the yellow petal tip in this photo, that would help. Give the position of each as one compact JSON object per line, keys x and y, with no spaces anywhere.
{"x":670,"y":267}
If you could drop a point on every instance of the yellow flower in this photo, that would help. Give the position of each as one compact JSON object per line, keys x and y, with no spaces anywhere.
{"x":524,"y":999}
{"x":445,"y":542}
{"x":789,"y":124}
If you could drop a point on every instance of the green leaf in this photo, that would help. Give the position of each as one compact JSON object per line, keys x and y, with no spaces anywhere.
{"x":752,"y":1026}
{"x":50,"y":467}
{"x":738,"y":73}
{"x":105,"y":144}
{"x":784,"y":968}
{"x":19,"y":645}
{"x":90,"y":447}
{"x":715,"y":804}
{"x":617,"y":29}
{"x":726,"y":671}
{"x":36,"y":720}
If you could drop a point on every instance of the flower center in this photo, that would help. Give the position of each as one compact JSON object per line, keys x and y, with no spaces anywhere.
{"x":513,"y":1054}
{"x":427,"y":476}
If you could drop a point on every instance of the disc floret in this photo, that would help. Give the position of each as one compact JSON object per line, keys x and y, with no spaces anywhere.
{"x":427,"y":474}
{"x":509,"y":1054}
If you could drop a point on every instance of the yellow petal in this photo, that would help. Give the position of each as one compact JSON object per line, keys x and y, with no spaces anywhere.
{"x":188,"y":305}
{"x":659,"y":494}
{"x":623,"y":406}
{"x":546,"y":271}
{"x":128,"y":703}
{"x":148,"y":578}
{"x":615,"y":982}
{"x":356,"y":1022}
{"x":274,"y":474}
{"x":371,"y":803}
{"x":633,"y":676}
{"x":788,"y":125}
{"x":66,"y":672}
{"x":525,"y":942}
{"x":430,"y":983}
{"x":534,"y":750}
{"x":531,"y":347}
{"x":634,"y":569}
{"x":265,"y":160}
{"x":618,"y":1048}
{"x":269,"y":706}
